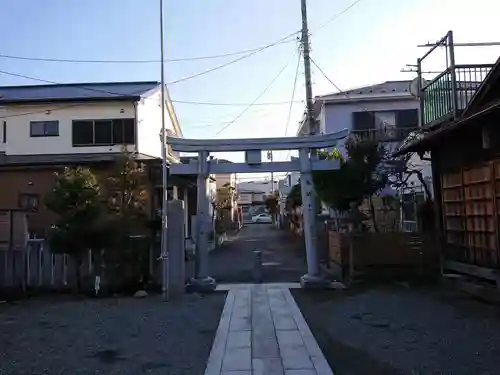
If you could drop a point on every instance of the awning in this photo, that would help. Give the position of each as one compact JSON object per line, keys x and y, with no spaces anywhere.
{"x":431,"y":137}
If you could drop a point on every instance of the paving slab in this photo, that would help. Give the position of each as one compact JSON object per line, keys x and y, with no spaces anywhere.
{"x":262,"y":332}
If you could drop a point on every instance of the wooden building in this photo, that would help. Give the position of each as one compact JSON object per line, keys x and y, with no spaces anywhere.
{"x":460,"y":117}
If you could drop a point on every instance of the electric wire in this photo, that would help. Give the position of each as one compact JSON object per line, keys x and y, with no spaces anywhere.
{"x":180,"y":59}
{"x":232,"y":61}
{"x":251,"y":104}
{"x":345,"y":10}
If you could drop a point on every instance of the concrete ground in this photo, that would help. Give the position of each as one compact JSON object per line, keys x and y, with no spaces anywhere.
{"x":122,"y":336}
{"x":283,"y":256}
{"x":402,"y":330}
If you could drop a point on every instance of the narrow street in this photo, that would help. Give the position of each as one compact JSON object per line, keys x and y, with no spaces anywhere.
{"x":283,"y":258}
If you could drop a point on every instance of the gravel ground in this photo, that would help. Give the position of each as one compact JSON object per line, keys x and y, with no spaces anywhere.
{"x":109,"y":336}
{"x":402,"y":331}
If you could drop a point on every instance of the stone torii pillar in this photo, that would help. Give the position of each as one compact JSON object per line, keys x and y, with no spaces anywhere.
{"x":202,"y":281}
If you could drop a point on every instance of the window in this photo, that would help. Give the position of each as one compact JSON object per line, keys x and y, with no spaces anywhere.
{"x":407,"y":118}
{"x":44,"y":128}
{"x":103,"y":132}
{"x":4,"y":132}
{"x":363,"y":120}
{"x":385,"y":120}
{"x":29,"y":202}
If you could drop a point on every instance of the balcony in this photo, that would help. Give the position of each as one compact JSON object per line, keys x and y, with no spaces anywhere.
{"x":388,"y":134}
{"x":439,"y":95}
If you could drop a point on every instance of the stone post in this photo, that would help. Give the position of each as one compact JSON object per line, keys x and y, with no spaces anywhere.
{"x":176,"y":272}
{"x":201,"y":281}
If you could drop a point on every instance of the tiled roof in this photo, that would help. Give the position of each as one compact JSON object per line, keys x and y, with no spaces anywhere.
{"x":380,"y":88}
{"x":75,"y":91}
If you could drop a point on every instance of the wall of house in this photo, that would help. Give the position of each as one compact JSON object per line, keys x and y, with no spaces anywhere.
{"x":257,"y":186}
{"x":222,"y":179}
{"x":149,"y":125}
{"x":19,"y":117}
{"x":335,"y":117}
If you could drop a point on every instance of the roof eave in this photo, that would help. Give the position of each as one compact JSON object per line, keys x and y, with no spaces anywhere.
{"x":127,"y":98}
{"x":362,"y":98}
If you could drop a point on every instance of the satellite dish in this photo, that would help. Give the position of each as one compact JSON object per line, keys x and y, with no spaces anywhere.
{"x":414,"y":86}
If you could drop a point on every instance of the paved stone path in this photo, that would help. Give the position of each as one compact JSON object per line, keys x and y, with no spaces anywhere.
{"x":283,"y":256}
{"x":262,"y":332}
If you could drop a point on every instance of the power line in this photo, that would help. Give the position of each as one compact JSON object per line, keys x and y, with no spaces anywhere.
{"x":291,"y":101}
{"x":170,"y":83}
{"x":118,"y":95}
{"x":233,"y":104}
{"x":251,"y":104}
{"x":233,"y":61}
{"x":343,"y":92}
{"x":180,"y":59}
{"x":345,"y":10}
{"x":293,"y":94}
{"x":329,"y":80}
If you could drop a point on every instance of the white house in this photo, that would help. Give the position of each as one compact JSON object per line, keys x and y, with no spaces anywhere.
{"x":386,"y":112}
{"x":46,"y":127}
{"x":87,"y":118}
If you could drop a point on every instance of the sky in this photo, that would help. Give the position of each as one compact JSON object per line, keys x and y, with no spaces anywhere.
{"x":369,"y":43}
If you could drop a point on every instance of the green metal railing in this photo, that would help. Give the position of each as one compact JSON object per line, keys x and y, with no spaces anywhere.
{"x":444,"y":97}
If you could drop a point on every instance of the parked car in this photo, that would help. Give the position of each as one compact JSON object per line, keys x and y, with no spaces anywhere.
{"x":262,"y":218}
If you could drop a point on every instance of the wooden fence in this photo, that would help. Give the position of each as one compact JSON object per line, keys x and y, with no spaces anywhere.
{"x":383,"y":255}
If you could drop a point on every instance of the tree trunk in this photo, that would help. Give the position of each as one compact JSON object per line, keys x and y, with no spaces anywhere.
{"x":373,"y":215}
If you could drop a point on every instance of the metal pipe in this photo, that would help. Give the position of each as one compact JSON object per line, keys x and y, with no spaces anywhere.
{"x":439,"y":43}
{"x":453,"y":74}
{"x":470,"y":44}
{"x":420,"y":94}
{"x":164,"y":170}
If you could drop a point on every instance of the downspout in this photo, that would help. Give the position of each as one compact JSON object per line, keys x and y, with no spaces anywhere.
{"x":136,"y":126}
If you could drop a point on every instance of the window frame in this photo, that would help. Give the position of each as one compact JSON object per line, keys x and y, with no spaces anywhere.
{"x":114,"y":122}
{"x":45,"y":133}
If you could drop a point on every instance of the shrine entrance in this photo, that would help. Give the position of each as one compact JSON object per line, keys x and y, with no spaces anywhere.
{"x":203,"y":167}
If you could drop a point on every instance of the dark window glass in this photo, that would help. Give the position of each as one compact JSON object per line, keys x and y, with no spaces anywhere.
{"x":44,"y":128}
{"x":29,"y":202}
{"x":83,"y":132}
{"x":129,"y":131}
{"x":118,"y":131}
{"x":407,"y":118}
{"x":103,"y":132}
{"x":363,"y":120}
{"x":52,"y":128}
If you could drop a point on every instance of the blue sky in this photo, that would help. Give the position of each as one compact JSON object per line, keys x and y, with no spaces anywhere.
{"x":368,"y":44}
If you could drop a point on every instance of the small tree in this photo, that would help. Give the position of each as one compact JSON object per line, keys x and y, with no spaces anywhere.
{"x":126,"y":198}
{"x":75,"y":198}
{"x":272,"y":205}
{"x":357,"y":179}
{"x":222,"y":206}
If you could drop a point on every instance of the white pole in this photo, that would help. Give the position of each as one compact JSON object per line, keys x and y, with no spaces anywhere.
{"x":164,"y":169}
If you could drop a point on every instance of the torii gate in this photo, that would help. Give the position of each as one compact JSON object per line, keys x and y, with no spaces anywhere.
{"x":253,"y":164}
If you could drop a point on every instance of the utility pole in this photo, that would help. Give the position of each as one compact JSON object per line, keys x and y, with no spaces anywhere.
{"x":313,"y":277}
{"x":164,"y":169}
{"x":307,"y":69}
